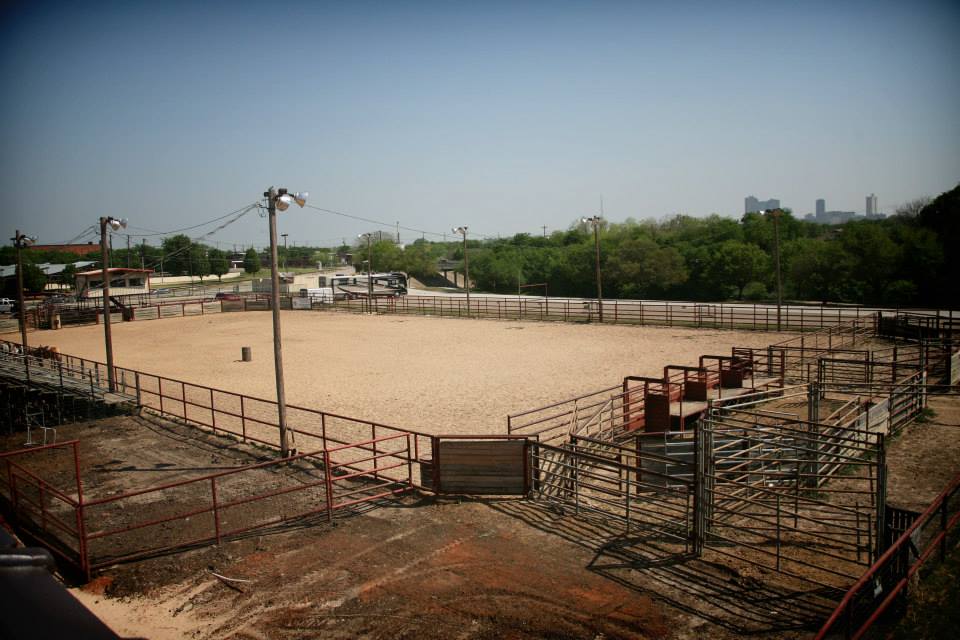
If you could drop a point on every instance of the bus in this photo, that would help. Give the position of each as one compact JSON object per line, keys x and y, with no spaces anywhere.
{"x":342,"y":286}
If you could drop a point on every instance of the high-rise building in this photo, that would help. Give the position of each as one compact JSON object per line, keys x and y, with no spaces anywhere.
{"x":751,"y":204}
{"x":821,"y":207}
{"x":872,"y":205}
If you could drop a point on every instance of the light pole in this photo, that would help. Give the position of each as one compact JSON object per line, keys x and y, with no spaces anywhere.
{"x":775,"y":215}
{"x":595,"y":221}
{"x":20,"y":242}
{"x":284,"y":236}
{"x":369,"y":237}
{"x":279,"y":199}
{"x":114,"y":224}
{"x":466,"y":264}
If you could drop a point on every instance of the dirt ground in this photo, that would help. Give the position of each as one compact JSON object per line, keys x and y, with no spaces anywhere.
{"x":925,"y":456}
{"x":425,"y":374}
{"x":420,"y":566}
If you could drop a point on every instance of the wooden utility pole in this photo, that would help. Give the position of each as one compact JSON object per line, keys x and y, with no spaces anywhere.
{"x":776,"y":214}
{"x":19,"y":242}
{"x":107,"y":337}
{"x":271,"y":195}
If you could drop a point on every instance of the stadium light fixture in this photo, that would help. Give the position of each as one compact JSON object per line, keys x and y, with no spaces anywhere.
{"x":595,"y":221}
{"x":108,"y":223}
{"x":20,"y":242}
{"x":369,"y":237}
{"x":279,"y":199}
{"x":775,"y":215}
{"x":466,"y":263}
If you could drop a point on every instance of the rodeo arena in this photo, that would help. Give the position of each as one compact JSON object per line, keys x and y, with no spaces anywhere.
{"x":757,"y":489}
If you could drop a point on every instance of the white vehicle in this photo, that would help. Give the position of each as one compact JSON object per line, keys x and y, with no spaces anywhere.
{"x":322,"y":295}
{"x":7,"y":305}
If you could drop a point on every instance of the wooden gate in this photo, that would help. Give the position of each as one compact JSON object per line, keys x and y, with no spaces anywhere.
{"x":481,"y":465}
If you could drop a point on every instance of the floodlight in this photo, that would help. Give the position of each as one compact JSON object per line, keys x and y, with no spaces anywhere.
{"x":284,"y":202}
{"x":29,"y":240}
{"x":301,"y":198}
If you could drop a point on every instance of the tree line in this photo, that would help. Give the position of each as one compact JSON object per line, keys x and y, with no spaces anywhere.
{"x":898,"y":261}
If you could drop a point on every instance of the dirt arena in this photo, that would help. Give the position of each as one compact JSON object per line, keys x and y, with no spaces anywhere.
{"x":426,"y":374}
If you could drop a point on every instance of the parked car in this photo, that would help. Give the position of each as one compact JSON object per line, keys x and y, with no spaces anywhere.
{"x":227,"y":296}
{"x":7,"y":305}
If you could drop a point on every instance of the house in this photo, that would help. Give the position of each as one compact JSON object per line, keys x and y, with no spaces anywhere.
{"x":122,"y":282}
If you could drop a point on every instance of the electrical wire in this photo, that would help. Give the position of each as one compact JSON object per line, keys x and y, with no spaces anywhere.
{"x":153,"y":232}
{"x":387,"y":224}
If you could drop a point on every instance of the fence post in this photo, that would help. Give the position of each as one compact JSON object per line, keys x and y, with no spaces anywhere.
{"x":328,"y":479}
{"x":213,"y":413}
{"x":136,"y":380}
{"x":778,"y":531}
{"x":243,"y":420}
{"x":216,"y":511}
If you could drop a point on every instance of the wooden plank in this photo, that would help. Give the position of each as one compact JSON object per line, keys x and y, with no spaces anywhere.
{"x":482,"y":467}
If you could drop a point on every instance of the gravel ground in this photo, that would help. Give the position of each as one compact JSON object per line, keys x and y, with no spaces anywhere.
{"x":430,"y":374}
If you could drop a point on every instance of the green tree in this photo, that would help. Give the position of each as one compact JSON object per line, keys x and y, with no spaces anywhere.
{"x":218,"y":263}
{"x":251,"y":261}
{"x":875,"y":259}
{"x":817,"y":269}
{"x":417,"y":260}
{"x":735,"y":263}
{"x":199,"y":262}
{"x":34,"y":280}
{"x":640,"y":267}
{"x":177,"y":256}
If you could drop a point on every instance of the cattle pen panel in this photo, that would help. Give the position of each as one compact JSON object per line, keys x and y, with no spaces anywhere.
{"x":596,"y":478}
{"x":47,"y":507}
{"x":764,"y":475}
{"x":884,"y":586}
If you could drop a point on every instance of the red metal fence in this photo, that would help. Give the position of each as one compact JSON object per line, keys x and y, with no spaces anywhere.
{"x":885,"y":584}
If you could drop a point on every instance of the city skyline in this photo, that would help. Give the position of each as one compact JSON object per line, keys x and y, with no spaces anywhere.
{"x":505,"y":116}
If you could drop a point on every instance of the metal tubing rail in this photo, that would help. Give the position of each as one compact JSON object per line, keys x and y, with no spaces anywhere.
{"x":207,"y":477}
{"x":897,"y":548}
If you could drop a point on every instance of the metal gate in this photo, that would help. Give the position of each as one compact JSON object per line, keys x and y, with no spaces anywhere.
{"x":589,"y":477}
{"x":767,"y":501}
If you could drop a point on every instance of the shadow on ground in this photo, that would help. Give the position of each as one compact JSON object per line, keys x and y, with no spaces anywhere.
{"x":648,"y":562}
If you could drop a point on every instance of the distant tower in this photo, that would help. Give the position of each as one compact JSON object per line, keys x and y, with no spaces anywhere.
{"x":871,"y":205}
{"x":751,"y":204}
{"x":821,"y":207}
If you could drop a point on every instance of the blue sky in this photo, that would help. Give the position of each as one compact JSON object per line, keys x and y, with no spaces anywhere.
{"x":501,"y":116}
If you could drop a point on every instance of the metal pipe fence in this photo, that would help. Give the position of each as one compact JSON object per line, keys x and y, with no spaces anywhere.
{"x":623,"y":312}
{"x":884,"y":586}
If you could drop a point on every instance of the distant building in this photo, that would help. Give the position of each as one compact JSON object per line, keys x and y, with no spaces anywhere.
{"x":122,"y":282}
{"x":871,"y":205}
{"x":751,"y":204}
{"x":821,"y":207}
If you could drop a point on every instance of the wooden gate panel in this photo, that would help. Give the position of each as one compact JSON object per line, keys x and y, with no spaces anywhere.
{"x":497,"y":467}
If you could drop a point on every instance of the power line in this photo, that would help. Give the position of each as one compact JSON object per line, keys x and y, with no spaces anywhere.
{"x":390,"y":225}
{"x":153,"y":232}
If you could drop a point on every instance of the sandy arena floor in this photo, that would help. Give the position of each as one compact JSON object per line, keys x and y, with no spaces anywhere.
{"x":430,"y":374}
